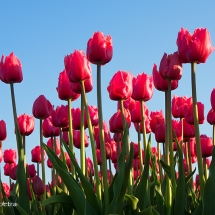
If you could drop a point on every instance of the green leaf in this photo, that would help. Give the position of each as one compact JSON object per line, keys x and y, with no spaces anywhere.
{"x":208,"y":201}
{"x":75,"y":191}
{"x":132,"y":201}
{"x":88,"y":189}
{"x":190,"y":176}
{"x":22,"y":211}
{"x":160,"y":200}
{"x":62,"y":198}
{"x":141,"y":191}
{"x":179,"y":206}
{"x":148,"y":211}
{"x":166,"y":169}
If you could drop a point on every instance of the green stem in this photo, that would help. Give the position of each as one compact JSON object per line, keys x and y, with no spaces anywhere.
{"x":169,"y":122}
{"x":205,"y":168}
{"x":197,"y":132}
{"x":23,"y":143}
{"x":190,"y":162}
{"x":143,"y":124}
{"x":159,"y":164}
{"x":53,"y":169}
{"x":140,"y":148}
{"x":92,"y":141}
{"x":71,"y":143}
{"x":42,"y":159}
{"x":56,"y":174}
{"x":82,"y":151}
{"x":101,"y":136}
{"x":168,"y":193}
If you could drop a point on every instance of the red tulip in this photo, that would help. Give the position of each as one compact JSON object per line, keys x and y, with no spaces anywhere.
{"x":176,"y":129}
{"x":116,"y":122}
{"x":90,"y":169}
{"x":120,"y":86}
{"x":114,"y":153}
{"x":31,"y":170}
{"x":41,"y":108}
{"x":213,"y":99}
{"x":3,"y":131}
{"x":36,"y":156}
{"x":10,"y":69}
{"x":38,"y":186}
{"x":1,"y":154}
{"x":77,"y":139}
{"x":211,"y":117}
{"x":143,"y":87}
{"x":60,"y":116}
{"x":6,"y":189}
{"x":107,"y":138}
{"x":49,"y":163}
{"x":117,"y":137}
{"x":98,"y":155}
{"x":160,"y":83}
{"x":105,"y":128}
{"x":137,"y":174}
{"x":9,"y":156}
{"x":13,"y":172}
{"x":108,"y":150}
{"x":88,"y":86}
{"x":171,"y":67}
{"x":50,"y":144}
{"x":206,"y":145}
{"x":8,"y":167}
{"x":49,"y":130}
{"x":189,"y":116}
{"x":147,"y":126}
{"x":64,"y":88}
{"x":99,"y":48}
{"x":93,"y":112}
{"x":196,"y":47}
{"x":25,"y":124}
{"x":160,"y":133}
{"x":76,"y":119}
{"x":77,"y":66}
{"x":157,"y":118}
{"x":180,"y":106}
{"x":136,"y":115}
{"x":128,"y":104}
{"x":136,"y":150}
{"x":65,"y":137}
{"x":188,"y":130}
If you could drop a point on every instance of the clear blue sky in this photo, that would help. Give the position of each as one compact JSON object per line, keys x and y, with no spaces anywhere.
{"x":42,"y":33}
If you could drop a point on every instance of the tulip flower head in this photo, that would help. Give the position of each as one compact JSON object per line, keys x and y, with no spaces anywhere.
{"x":25,"y":124}
{"x":9,"y":156}
{"x":196,"y":47}
{"x":3,"y":131}
{"x":38,"y":186}
{"x":48,"y":129}
{"x":10,"y":69}
{"x":99,"y":48}
{"x":36,"y":155}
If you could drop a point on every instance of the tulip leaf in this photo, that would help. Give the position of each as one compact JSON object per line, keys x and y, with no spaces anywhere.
{"x":166,"y":168}
{"x":148,"y":211}
{"x":208,"y":201}
{"x":132,"y":201}
{"x":141,"y":191}
{"x":62,"y":198}
{"x":75,"y":191}
{"x":21,"y":210}
{"x":160,"y":200}
{"x":187,"y":179}
{"x":88,"y":189}
{"x":179,"y":206}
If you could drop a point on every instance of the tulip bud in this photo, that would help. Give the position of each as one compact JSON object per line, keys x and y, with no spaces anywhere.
{"x":38,"y":186}
{"x":9,"y":156}
{"x":3,"y":131}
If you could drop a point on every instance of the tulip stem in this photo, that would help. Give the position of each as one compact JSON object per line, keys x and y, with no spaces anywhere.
{"x":102,"y":143}
{"x":42,"y":160}
{"x":197,"y":132}
{"x":92,"y":141}
{"x":169,"y":122}
{"x":71,"y":143}
{"x":190,"y":162}
{"x":143,"y":124}
{"x":159,"y":164}
{"x":140,"y":148}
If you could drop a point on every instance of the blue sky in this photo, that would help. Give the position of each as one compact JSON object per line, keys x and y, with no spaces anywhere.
{"x":41,"y":34}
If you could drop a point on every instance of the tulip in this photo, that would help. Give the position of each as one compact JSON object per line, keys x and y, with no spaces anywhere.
{"x":49,"y":163}
{"x":116,"y":122}
{"x":88,"y":86}
{"x":31,"y":170}
{"x":176,"y":129}
{"x":76,"y":121}
{"x":160,"y":83}
{"x":120,"y":86}
{"x":25,"y":124}
{"x":10,"y":69}
{"x":6,"y":189}
{"x":127,"y":104}
{"x":9,"y":156}
{"x":188,"y":130}
{"x":1,"y":155}
{"x":64,"y":88}
{"x":50,"y":144}
{"x":49,"y":130}
{"x":108,"y":150}
{"x":99,"y":48}
{"x":136,"y":151}
{"x":77,"y":66}
{"x":190,"y":116}
{"x":114,"y":153}
{"x":3,"y":131}
{"x":157,"y":118}
{"x":105,"y":128}
{"x":77,"y":139}
{"x":38,"y":186}
{"x":13,"y":172}
{"x":41,"y":108}
{"x":160,"y":133}
{"x":206,"y":145}
{"x":147,"y":126}
{"x":8,"y":167}
{"x":143,"y":87}
{"x":90,"y":170}
{"x":211,"y":117}
{"x":36,"y":155}
{"x":60,"y":116}
{"x":180,"y":106}
{"x":136,"y":115}
{"x":93,"y":111}
{"x":213,"y":99}
{"x":65,"y":137}
{"x":171,"y":67}
{"x":98,"y":155}
{"x":196,"y":47}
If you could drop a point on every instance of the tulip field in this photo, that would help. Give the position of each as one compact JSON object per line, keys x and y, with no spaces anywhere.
{"x":121,"y":177}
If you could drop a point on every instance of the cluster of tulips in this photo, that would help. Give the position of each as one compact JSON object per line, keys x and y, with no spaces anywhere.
{"x":146,"y":180}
